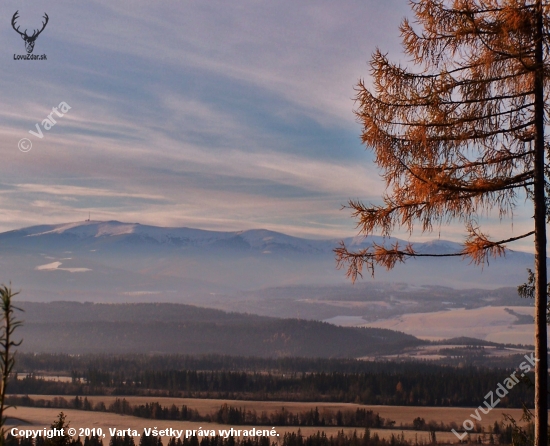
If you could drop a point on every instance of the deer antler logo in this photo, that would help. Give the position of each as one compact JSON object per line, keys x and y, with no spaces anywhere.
{"x":29,"y":40}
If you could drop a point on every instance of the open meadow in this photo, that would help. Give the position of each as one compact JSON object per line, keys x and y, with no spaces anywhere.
{"x":31,"y":417}
{"x":402,"y":415}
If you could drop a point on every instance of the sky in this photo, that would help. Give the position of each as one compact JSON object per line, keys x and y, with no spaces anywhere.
{"x":225,"y":115}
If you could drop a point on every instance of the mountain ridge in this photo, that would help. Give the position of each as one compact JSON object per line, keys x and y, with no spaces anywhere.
{"x":255,"y":237}
{"x":118,"y":262}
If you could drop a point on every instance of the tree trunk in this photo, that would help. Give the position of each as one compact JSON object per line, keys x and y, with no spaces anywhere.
{"x":541,"y":367}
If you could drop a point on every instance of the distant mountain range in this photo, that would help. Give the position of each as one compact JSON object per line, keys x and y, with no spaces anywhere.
{"x":114,"y":235}
{"x":120,"y":262}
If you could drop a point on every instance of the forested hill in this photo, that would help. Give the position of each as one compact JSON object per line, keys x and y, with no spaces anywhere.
{"x":71,"y":327}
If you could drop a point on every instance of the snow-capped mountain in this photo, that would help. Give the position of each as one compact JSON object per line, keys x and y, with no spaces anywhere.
{"x":115,"y":261}
{"x":114,"y":232}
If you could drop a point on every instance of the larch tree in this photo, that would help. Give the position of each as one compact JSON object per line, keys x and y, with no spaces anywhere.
{"x":461,"y":135}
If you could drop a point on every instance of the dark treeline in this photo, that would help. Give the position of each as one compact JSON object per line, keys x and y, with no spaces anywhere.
{"x":312,"y":417}
{"x":42,"y":441}
{"x":132,"y":363}
{"x":420,"y":385}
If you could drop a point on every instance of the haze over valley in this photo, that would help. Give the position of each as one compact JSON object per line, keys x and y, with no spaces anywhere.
{"x":268,"y":274}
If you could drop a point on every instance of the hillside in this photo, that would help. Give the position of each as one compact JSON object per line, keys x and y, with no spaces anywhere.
{"x":75,"y":328}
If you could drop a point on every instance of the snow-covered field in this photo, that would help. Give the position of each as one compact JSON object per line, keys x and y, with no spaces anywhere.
{"x":488,"y":323}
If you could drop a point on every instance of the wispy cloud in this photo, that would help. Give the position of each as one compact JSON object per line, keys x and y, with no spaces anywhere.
{"x":222,"y":115}
{"x":67,"y":191}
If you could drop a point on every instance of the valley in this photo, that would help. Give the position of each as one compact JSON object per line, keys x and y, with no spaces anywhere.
{"x":268,"y":274}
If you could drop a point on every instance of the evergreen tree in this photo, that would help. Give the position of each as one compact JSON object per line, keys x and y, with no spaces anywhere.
{"x":60,"y":425}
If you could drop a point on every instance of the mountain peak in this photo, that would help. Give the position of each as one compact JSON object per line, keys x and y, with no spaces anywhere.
{"x":88,"y":228}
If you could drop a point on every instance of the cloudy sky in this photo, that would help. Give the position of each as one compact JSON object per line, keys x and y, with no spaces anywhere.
{"x":212,"y":114}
